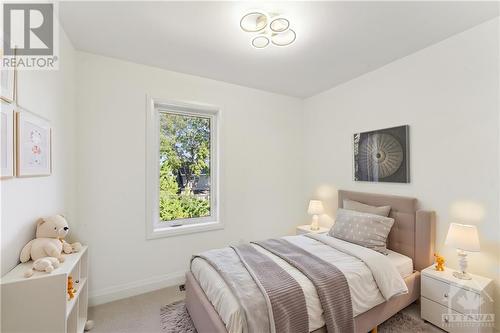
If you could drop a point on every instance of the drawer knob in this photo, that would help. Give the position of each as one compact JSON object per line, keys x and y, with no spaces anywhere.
{"x":446,"y":320}
{"x":446,"y":295}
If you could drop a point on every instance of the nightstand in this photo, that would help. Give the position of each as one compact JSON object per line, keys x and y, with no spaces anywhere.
{"x":456,"y":305}
{"x":306,"y":229}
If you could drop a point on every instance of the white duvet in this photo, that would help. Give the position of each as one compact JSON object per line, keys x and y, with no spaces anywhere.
{"x":370,"y":282}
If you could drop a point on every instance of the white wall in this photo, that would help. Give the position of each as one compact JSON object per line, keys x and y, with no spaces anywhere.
{"x":50,"y":94}
{"x":448,"y":94}
{"x":260,"y":179}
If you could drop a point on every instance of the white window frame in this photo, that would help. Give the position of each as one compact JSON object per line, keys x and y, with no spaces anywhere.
{"x":154,"y":227}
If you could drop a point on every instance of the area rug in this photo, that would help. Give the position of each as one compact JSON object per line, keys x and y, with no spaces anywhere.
{"x":402,"y":323}
{"x":175,"y":319}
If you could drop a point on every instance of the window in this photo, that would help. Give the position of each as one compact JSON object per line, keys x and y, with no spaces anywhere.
{"x":181,"y":169}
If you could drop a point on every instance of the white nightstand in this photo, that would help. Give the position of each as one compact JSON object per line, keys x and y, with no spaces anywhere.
{"x":456,"y":305}
{"x":306,"y":229}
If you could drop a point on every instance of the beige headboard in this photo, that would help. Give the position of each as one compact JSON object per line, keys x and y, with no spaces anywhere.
{"x":413,"y":232}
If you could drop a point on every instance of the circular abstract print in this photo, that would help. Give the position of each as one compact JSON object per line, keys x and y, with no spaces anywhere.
{"x":381,"y":155}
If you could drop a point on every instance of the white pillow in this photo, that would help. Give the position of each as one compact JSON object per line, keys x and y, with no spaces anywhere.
{"x":368,"y":230}
{"x":364,"y":208}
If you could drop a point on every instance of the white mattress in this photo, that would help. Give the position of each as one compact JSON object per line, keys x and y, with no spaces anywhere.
{"x":364,"y":291}
{"x":403,"y":264}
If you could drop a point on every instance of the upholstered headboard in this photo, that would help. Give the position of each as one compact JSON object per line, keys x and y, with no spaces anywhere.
{"x":413,"y":232}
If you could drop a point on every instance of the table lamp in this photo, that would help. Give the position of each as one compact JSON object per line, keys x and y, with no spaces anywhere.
{"x":464,"y":238}
{"x":315,"y":209}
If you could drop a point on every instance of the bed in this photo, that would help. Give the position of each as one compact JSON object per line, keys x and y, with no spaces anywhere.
{"x":411,"y":245}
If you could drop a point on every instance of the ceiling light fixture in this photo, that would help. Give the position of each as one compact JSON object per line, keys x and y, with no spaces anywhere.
{"x":284,"y":38}
{"x":260,"y":42}
{"x":279,"y":24}
{"x":253,"y":22}
{"x":270,"y":28}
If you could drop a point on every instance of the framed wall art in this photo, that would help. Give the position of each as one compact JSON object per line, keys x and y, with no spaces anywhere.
{"x":34,"y":146}
{"x":7,"y":132}
{"x":382,"y":155}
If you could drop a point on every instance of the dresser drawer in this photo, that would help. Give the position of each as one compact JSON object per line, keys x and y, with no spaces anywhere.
{"x":458,"y":299}
{"x":433,"y":313}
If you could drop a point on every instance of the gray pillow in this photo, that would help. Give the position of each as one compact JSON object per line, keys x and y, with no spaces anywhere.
{"x":364,"y":208}
{"x":368,"y":230}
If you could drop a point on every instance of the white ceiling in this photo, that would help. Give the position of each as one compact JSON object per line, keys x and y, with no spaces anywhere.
{"x":336,"y":41}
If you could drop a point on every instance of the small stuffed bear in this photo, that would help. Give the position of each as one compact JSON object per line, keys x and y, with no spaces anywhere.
{"x":439,"y":262}
{"x":46,"y":249}
{"x":71,"y":289}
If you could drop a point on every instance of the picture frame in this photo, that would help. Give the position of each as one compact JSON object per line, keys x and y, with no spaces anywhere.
{"x":33,"y":145}
{"x":7,"y":140}
{"x":8,"y":77}
{"x":382,"y":155}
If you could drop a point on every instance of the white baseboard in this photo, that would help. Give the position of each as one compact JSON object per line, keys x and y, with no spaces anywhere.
{"x":115,"y":293}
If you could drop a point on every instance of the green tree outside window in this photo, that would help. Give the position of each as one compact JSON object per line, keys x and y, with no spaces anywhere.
{"x":184,"y":166}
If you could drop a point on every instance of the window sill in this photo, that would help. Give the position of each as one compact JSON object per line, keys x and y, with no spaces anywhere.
{"x":183,"y":230}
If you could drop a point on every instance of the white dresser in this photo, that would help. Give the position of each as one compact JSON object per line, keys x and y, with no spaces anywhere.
{"x":456,"y":305}
{"x":41,"y":303}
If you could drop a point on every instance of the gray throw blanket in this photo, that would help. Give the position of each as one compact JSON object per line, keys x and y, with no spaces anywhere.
{"x":285,"y":298}
{"x":271,"y":299}
{"x":329,"y":281}
{"x":226,"y":262}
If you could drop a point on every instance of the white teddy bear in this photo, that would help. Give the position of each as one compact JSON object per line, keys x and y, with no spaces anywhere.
{"x":46,"y":249}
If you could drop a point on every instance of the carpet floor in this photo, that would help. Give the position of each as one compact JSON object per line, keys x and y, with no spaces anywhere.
{"x":174,"y":318}
{"x":142,"y":314}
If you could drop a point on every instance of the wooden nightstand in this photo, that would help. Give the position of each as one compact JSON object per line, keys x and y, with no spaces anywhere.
{"x":456,"y":305}
{"x":306,"y":229}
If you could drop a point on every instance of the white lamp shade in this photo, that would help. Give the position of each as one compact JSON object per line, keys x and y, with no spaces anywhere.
{"x":315,"y":207}
{"x":463,"y":237}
